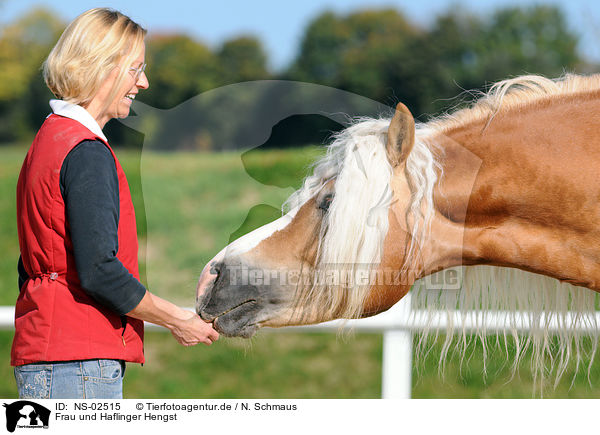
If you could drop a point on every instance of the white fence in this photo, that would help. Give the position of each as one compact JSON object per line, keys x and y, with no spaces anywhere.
{"x":397,"y":326}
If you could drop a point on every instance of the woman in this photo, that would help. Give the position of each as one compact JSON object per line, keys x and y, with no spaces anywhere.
{"x":81,"y":306}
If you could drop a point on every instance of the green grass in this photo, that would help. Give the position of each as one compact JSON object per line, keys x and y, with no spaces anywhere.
{"x":10,"y":164}
{"x":271,"y":365}
{"x":189,"y":206}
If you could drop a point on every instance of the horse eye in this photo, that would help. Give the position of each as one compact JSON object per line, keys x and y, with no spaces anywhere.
{"x":326,"y":202}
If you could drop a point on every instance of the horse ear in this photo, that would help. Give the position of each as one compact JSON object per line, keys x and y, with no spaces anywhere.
{"x":401,"y":135}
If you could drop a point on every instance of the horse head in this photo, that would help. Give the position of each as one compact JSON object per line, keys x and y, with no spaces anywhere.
{"x":342,"y":249}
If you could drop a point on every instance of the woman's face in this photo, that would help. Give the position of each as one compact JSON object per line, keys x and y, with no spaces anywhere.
{"x":121,"y":103}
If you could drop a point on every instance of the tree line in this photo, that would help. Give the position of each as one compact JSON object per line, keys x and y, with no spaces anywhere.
{"x":376,"y":53}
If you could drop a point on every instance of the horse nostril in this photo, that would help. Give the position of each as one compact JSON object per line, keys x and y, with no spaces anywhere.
{"x":209,"y":276}
{"x":215,"y":269}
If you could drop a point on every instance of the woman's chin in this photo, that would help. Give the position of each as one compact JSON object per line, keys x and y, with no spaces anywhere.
{"x":124,"y":109}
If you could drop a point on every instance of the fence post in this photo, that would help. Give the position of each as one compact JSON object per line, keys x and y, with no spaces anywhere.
{"x":396,"y":373}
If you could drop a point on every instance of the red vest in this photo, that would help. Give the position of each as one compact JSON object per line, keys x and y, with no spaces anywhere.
{"x":55,"y":319}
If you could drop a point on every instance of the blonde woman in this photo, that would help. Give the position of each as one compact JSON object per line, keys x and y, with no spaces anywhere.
{"x":80,"y":311}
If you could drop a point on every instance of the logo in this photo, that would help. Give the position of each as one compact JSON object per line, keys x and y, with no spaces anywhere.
{"x":25,"y":414}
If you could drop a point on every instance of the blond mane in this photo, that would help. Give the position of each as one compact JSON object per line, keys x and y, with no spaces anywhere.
{"x":513,"y":93}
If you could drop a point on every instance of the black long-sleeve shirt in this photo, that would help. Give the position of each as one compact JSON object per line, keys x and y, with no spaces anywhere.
{"x":90,"y":188}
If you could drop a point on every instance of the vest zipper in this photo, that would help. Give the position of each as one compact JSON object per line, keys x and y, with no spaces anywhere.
{"x":124,"y":324}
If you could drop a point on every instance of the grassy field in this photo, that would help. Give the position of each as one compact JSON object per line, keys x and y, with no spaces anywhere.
{"x":189,"y":206}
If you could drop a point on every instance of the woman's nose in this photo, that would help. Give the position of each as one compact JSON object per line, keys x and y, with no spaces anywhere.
{"x":142,"y":81}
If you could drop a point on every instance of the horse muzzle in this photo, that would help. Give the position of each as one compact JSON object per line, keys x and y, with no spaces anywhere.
{"x":230,"y":304}
{"x":237,"y":304}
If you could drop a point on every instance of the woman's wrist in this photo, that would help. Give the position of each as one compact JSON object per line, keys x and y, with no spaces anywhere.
{"x":156,"y":310}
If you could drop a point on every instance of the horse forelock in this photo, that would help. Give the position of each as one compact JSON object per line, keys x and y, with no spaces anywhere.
{"x":354,"y":229}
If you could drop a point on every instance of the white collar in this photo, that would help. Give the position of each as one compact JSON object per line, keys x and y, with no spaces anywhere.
{"x":79,"y":114}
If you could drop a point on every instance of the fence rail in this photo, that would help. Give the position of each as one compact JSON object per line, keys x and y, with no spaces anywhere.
{"x":397,"y":326}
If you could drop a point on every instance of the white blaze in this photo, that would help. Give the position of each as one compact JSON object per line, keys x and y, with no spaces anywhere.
{"x":252,"y":239}
{"x":242,"y":245}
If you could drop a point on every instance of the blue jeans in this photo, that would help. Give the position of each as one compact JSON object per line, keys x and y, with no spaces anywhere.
{"x":89,"y":379}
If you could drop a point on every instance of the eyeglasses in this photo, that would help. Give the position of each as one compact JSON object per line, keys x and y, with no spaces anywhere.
{"x":138,"y":71}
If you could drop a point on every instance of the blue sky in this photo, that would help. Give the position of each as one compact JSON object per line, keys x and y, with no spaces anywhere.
{"x":280,"y":24}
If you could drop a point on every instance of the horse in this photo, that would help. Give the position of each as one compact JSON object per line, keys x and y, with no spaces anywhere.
{"x":505,"y":189}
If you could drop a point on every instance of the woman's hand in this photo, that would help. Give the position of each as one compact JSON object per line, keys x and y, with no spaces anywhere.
{"x":186,"y":326}
{"x":194,"y":330}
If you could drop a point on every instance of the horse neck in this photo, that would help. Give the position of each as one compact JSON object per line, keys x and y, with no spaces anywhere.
{"x":521,"y":191}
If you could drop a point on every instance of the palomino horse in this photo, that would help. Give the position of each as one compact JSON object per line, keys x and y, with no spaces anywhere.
{"x":510,"y":182}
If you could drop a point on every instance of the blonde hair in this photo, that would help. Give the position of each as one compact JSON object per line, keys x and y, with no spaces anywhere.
{"x":92,"y":46}
{"x":352,"y":234}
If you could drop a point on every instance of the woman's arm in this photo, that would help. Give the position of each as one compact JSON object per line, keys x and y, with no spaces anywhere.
{"x":90,"y":188}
